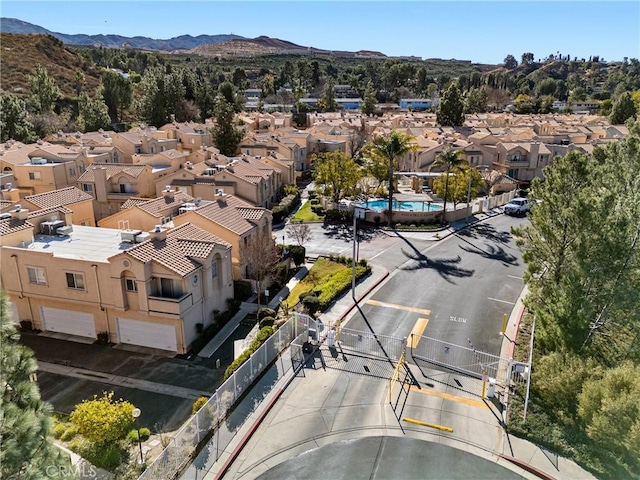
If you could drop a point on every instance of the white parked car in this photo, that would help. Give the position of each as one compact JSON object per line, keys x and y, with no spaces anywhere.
{"x":517,"y":206}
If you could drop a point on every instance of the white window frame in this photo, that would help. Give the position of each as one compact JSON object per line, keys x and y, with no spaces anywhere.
{"x":75,"y":280}
{"x":130,"y":285}
{"x":35,"y":176}
{"x":37,"y":275}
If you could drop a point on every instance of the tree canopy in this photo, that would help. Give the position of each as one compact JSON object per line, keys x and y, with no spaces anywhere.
{"x":390,"y":148}
{"x":449,"y":161}
{"x":103,"y":419}
{"x":335,"y":174}
{"x":27,"y":450}
{"x":450,"y":111}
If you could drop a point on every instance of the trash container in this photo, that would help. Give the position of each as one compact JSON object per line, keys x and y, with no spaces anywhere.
{"x":491,"y":392}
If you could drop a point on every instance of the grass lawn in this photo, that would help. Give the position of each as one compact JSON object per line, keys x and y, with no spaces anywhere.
{"x":320,"y":269}
{"x":304,"y":214}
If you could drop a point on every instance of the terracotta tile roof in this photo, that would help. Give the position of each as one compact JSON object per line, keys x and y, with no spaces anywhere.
{"x":62,"y":196}
{"x":232,"y":213}
{"x":133,"y":202}
{"x":47,"y":211}
{"x":11,"y":225}
{"x":112,"y":169}
{"x":177,"y":251}
{"x":158,"y":206}
{"x":6,"y":205}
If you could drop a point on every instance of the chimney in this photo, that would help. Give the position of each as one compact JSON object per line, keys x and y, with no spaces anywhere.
{"x":19,"y":212}
{"x":159,"y":232}
{"x":167,"y":193}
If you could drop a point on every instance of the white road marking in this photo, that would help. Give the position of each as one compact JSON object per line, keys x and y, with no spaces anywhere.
{"x":502,"y":301}
{"x":513,"y":276}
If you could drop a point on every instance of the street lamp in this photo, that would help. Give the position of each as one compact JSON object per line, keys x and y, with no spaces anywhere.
{"x":136,"y":413}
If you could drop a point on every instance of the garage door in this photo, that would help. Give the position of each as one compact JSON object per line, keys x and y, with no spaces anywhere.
{"x":14,"y":314}
{"x":147,"y":334}
{"x":68,"y":321}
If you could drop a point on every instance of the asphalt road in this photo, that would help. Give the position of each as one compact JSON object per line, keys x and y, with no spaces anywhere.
{"x":461,"y":285}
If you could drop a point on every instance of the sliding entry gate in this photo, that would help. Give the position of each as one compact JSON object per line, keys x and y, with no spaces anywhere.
{"x":467,"y":360}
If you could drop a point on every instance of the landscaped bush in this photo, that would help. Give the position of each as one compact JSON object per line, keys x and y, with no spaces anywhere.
{"x":69,"y":434}
{"x":314,"y":201}
{"x":337,"y":284}
{"x":104,"y":455}
{"x":198,"y":404}
{"x":311,"y":304}
{"x":242,"y":290}
{"x":266,"y":312}
{"x":262,"y":336}
{"x":298,"y":253}
{"x":267,"y":322}
{"x":145,"y":433}
{"x":317,"y":209}
{"x":335,"y":215}
{"x":58,"y":430}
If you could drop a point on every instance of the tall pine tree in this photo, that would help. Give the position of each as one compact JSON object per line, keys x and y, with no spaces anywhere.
{"x":27,"y":451}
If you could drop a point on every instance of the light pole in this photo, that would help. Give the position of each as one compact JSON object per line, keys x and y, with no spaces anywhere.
{"x":469,"y":194}
{"x":136,"y":413}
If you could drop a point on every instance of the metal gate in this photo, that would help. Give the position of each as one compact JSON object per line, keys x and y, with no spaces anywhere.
{"x":372,"y":344}
{"x":468,"y":361}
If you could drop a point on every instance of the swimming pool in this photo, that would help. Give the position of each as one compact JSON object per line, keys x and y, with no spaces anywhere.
{"x":414,"y":206}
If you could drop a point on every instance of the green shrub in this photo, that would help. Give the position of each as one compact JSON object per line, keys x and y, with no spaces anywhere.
{"x":264,"y":333}
{"x":145,"y":433}
{"x":314,"y":201}
{"x":266,"y":312}
{"x":267,"y":322}
{"x":132,"y":436}
{"x":313,"y":195}
{"x":242,"y":290}
{"x":69,"y":434}
{"x":105,"y":455}
{"x":298,"y":253}
{"x":311,"y":304}
{"x":58,"y":430}
{"x":75,"y":446}
{"x":198,"y":404}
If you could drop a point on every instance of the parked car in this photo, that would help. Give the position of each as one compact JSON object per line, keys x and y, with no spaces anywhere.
{"x":517,"y":206}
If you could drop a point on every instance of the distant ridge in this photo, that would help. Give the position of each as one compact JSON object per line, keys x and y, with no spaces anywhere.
{"x":230,"y":45}
{"x":183,"y":42}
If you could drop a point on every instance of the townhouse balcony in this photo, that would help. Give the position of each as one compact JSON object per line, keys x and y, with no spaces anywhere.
{"x":172,"y":306}
{"x":121,"y":196}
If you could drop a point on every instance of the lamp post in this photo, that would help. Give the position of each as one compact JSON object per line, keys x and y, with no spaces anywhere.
{"x":136,"y":413}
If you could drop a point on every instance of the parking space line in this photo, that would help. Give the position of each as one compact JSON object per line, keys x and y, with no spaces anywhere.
{"x":418,"y":329}
{"x":501,"y":301}
{"x":423,"y":311}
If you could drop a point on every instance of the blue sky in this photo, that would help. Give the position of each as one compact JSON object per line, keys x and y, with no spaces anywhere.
{"x":480,"y":30}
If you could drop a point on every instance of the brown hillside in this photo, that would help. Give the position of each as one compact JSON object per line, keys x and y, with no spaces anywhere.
{"x":19,"y":55}
{"x":234,"y":48}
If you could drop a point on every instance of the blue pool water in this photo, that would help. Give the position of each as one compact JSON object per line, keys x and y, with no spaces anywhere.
{"x":381,"y":205}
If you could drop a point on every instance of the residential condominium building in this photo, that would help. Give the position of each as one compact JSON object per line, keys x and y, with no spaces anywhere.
{"x":154,"y":289}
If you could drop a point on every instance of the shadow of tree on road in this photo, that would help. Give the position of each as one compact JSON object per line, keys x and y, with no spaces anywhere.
{"x":486,"y":231}
{"x":341,"y":231}
{"x":447,"y":268}
{"x":493,"y":253}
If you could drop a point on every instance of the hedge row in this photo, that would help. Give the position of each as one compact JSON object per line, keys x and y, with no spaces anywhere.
{"x":262,"y":336}
{"x":285,"y":207}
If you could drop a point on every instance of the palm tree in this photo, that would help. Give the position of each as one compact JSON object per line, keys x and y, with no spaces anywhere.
{"x":397,"y":145}
{"x":450,"y":161}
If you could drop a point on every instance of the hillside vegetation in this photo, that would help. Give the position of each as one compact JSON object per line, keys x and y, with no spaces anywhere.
{"x":21,"y":54}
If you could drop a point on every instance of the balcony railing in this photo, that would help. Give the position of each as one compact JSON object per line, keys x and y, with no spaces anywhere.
{"x":174,"y":306}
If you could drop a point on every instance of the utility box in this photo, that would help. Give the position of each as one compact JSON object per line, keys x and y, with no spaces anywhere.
{"x":491,"y":392}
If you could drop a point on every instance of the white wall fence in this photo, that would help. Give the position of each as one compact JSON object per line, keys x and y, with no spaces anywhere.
{"x":212,"y":421}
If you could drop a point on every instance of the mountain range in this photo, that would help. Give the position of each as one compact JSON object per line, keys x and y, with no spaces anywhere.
{"x":202,"y":44}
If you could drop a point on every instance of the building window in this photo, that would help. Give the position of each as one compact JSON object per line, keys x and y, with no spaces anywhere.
{"x":192,"y":141}
{"x":72,"y":171}
{"x":34,"y":176}
{"x":123,"y":188}
{"x":214,"y":270}
{"x":87,"y":187}
{"x":75,"y":280}
{"x":36,"y":275}
{"x":130,"y":285}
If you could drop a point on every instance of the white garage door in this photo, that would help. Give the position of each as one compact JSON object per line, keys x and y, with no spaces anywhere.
{"x":68,"y":321}
{"x":14,"y":314}
{"x":147,"y":334}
